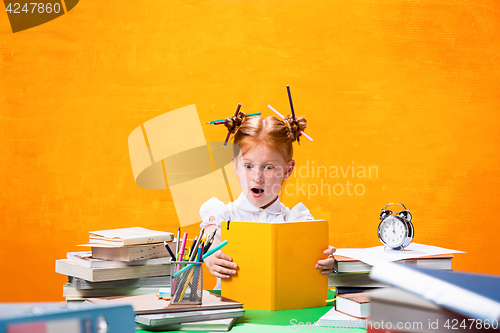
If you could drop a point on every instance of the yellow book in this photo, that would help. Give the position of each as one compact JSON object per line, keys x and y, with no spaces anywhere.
{"x":276,"y":263}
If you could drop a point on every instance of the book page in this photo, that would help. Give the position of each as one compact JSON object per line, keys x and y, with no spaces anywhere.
{"x":373,"y":255}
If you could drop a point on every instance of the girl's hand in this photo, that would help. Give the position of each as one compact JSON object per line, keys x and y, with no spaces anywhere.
{"x":326,"y":265}
{"x":220,"y":265}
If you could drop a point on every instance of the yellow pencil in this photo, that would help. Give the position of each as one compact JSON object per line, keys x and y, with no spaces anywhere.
{"x":186,"y":285}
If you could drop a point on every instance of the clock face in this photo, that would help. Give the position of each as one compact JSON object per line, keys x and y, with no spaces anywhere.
{"x":393,"y":231}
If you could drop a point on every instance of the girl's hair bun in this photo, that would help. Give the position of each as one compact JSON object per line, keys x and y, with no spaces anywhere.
{"x":294,"y":126}
{"x":235,"y":122}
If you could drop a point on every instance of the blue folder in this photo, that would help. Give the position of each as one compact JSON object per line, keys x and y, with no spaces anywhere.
{"x":66,"y":317}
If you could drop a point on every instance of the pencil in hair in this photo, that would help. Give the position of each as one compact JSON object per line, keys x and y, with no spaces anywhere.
{"x":229,"y":132}
{"x":291,"y":106}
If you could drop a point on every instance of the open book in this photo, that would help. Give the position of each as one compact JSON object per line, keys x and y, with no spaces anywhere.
{"x":276,"y":263}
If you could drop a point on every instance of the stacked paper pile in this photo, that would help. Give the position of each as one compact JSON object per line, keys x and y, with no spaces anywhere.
{"x":353,"y":282}
{"x":127,"y":261}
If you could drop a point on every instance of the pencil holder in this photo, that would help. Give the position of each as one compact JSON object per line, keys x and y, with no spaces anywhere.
{"x":187,"y":287}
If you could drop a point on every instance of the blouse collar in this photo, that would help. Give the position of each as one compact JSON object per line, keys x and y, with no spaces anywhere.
{"x":243,"y":203}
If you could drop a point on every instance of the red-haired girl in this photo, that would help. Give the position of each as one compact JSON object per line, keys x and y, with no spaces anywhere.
{"x":263,"y":160}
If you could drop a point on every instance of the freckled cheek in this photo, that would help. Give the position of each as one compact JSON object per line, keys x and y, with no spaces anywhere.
{"x":270,"y":177}
{"x":244,"y":179}
{"x":272,"y":180}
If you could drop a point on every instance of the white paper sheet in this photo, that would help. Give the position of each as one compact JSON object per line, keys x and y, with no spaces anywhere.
{"x":373,"y":255}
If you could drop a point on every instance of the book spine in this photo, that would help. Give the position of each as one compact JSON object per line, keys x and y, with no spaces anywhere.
{"x":117,"y":253}
{"x":438,"y":291}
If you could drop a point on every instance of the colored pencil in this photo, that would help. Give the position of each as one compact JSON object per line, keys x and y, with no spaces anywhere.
{"x":178,"y":297}
{"x":169,"y":251}
{"x":224,"y":120}
{"x":209,"y":242}
{"x":192,"y":246}
{"x":214,"y":121}
{"x":196,"y":246}
{"x":178,"y":242}
{"x":279,"y":114}
{"x":291,"y":106}
{"x":183,"y":246}
{"x":229,"y":132}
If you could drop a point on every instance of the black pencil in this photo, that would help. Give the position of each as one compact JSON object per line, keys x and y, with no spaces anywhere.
{"x":291,"y":106}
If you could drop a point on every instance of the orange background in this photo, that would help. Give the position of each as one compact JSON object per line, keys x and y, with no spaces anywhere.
{"x":411,"y":88}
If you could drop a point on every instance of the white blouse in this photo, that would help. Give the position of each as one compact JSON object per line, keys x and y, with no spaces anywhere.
{"x":242,"y":210}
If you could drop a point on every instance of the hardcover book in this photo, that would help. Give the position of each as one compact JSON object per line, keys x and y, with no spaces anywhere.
{"x":274,"y":273}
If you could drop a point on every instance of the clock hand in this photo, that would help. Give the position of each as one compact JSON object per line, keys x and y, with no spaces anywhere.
{"x":394,"y":231}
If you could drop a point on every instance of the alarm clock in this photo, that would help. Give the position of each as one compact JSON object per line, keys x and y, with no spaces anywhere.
{"x":395,"y":229}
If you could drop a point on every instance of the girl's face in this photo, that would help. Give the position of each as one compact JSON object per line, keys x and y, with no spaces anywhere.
{"x":261,"y":172}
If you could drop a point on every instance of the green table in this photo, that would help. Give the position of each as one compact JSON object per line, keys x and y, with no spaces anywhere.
{"x":262,"y":321}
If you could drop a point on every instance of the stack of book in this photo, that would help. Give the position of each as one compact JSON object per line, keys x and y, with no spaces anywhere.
{"x":352,"y":282}
{"x":128,"y":261}
{"x":423,"y":300}
{"x":216,"y":313}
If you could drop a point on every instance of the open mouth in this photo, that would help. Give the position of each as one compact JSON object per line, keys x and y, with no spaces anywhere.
{"x":257,"y":192}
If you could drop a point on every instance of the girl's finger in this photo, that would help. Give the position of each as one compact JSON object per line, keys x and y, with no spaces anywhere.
{"x":225,"y":263}
{"x":223,"y":270}
{"x":222,"y":255}
{"x":330,"y":250}
{"x":326,"y":262}
{"x":318,"y":266}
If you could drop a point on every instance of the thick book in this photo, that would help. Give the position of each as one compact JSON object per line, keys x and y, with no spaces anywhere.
{"x":68,"y":267}
{"x":266,"y":254}
{"x":131,"y":252}
{"x":472,"y":295}
{"x":353,"y":290}
{"x":356,"y":304}
{"x":151,"y":281}
{"x":70,"y":291}
{"x":85,"y":258}
{"x":407,"y":312}
{"x":150,"y":304}
{"x":162,"y":319}
{"x":349,"y":265}
{"x":361,"y":280}
{"x":129,"y":236}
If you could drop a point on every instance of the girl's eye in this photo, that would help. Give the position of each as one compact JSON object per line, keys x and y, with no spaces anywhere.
{"x":269,"y":167}
{"x":247,"y":166}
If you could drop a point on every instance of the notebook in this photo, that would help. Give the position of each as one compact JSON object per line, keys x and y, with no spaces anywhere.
{"x":205,"y":325}
{"x":276,"y":263}
{"x":164,"y":319}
